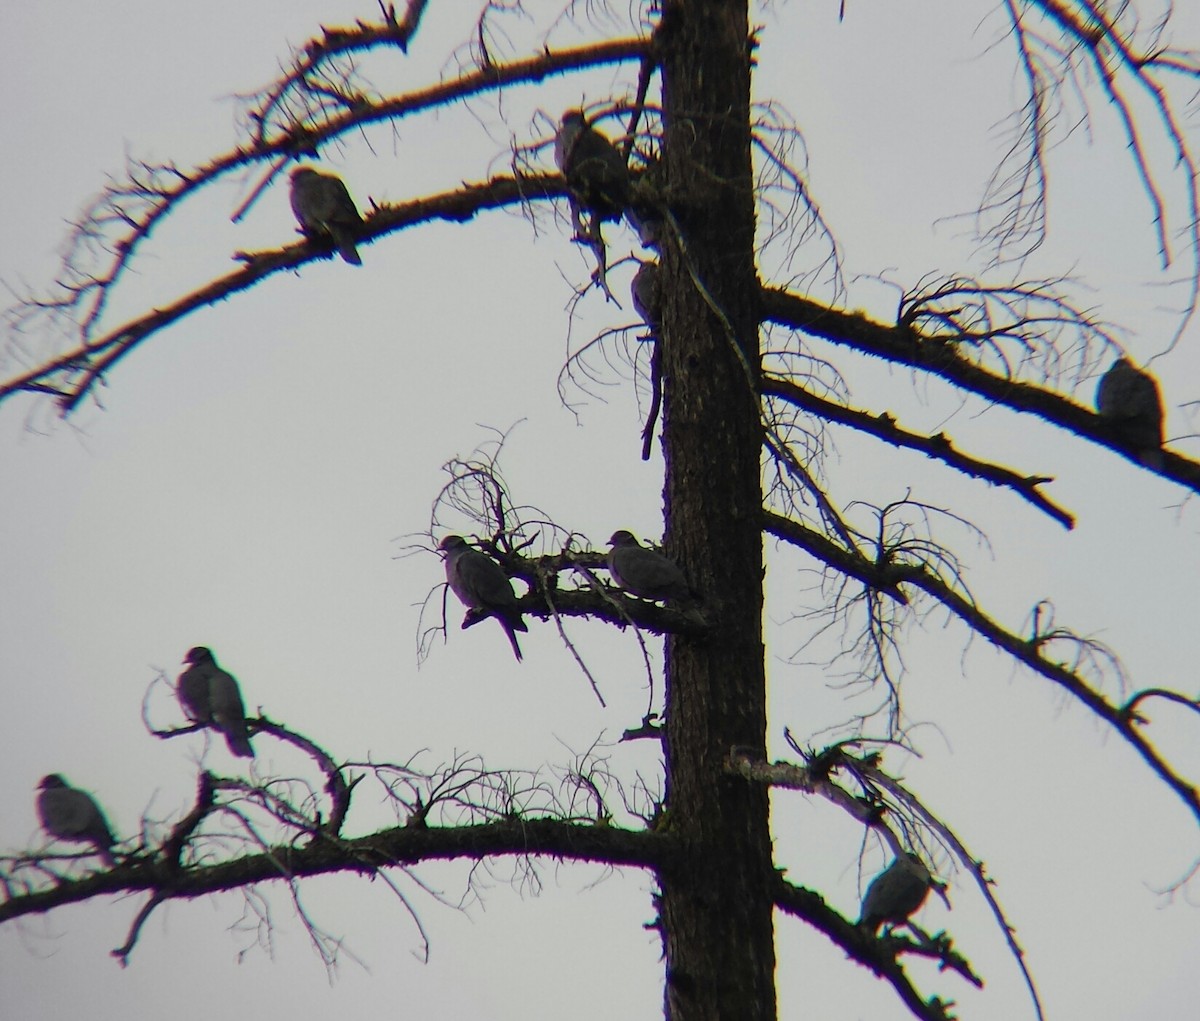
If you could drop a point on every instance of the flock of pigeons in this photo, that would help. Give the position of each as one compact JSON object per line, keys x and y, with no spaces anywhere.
{"x":486,"y":591}
{"x":597,"y":175}
{"x":210,"y":697}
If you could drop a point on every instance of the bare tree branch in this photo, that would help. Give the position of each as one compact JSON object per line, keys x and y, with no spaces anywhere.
{"x":905,"y":346}
{"x":939,"y":447}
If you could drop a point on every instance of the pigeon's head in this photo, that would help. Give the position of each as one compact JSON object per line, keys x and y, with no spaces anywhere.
{"x":200,"y":654}
{"x":574,"y":119}
{"x":302,"y":174}
{"x":623,"y":538}
{"x":50,"y":782}
{"x":452,"y":543}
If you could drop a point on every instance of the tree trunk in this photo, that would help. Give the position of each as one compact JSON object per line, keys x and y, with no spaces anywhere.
{"x":716,"y":907}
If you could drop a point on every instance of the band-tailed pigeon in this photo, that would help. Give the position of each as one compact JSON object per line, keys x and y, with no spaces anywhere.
{"x":71,"y":814}
{"x":210,"y":696}
{"x":645,"y":572}
{"x":595,"y":171}
{"x":481,"y":585}
{"x":324,"y":207}
{"x":645,"y":294}
{"x":896,"y":892}
{"x":1128,"y":400}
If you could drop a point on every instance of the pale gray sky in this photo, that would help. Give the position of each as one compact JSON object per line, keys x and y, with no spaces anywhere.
{"x":255,"y":470}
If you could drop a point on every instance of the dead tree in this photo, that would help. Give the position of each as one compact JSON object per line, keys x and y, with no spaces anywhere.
{"x":740,"y":372}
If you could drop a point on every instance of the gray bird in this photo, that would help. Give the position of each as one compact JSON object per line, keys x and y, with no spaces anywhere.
{"x":1129,"y":402}
{"x":645,"y":572}
{"x":646,"y":300}
{"x":595,"y":171}
{"x":324,"y":207}
{"x":70,"y":814}
{"x":210,"y":696}
{"x":481,"y":585}
{"x":896,"y":892}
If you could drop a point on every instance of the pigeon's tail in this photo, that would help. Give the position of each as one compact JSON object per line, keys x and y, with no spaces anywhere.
{"x":345,"y":246}
{"x":239,"y":741}
{"x":511,"y":627}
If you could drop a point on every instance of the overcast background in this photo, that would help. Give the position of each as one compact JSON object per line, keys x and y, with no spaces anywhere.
{"x":258,"y":471}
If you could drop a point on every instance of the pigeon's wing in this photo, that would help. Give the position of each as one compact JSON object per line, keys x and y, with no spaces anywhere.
{"x":193,"y":693}
{"x":1129,"y":399}
{"x":337,"y":205}
{"x":486,"y":581}
{"x":455,"y":578}
{"x":594,"y":168}
{"x":648,"y":573}
{"x":895,"y":893}
{"x":63,"y":814}
{"x":322,"y":203}
{"x":340,"y":217}
{"x":564,"y":140}
{"x":644,"y":292}
{"x":481,"y":584}
{"x":97,"y":827}
{"x":71,"y":814}
{"x":229,"y":713}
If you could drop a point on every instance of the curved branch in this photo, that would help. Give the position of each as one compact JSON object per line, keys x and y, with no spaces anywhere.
{"x":874,"y":576}
{"x":122,"y":953}
{"x":879,"y":955}
{"x":940,"y":447}
{"x":398,"y":846}
{"x":888,"y":577}
{"x":336,"y":787}
{"x":339,"y":42}
{"x":905,"y":346}
{"x":866,"y":771}
{"x":1027,"y":652}
{"x":85,"y":365}
{"x":153,"y":192}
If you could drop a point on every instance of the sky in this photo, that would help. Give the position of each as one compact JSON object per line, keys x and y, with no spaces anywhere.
{"x":258,"y":475}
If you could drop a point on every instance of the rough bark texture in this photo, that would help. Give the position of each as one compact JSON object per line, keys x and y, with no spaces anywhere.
{"x":716,"y":905}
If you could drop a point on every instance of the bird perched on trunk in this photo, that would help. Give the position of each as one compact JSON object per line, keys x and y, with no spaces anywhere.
{"x":647,"y":301}
{"x":1128,"y":401}
{"x":325,"y":210}
{"x":896,"y":892}
{"x":595,"y":171}
{"x":210,"y":696}
{"x":482,"y":586}
{"x":645,"y":572}
{"x":71,"y":814}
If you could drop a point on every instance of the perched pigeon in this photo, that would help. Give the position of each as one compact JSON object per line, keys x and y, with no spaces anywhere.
{"x":595,"y":171}
{"x":646,"y":300}
{"x":324,"y":207}
{"x":645,"y":572}
{"x":896,"y":892}
{"x":210,"y":695}
{"x":481,"y":584}
{"x":1128,"y":400}
{"x":70,"y":814}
